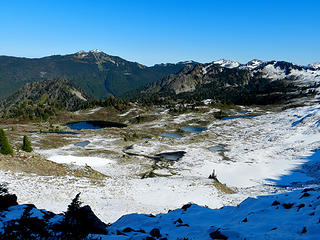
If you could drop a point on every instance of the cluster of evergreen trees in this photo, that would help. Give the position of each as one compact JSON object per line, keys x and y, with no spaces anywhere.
{"x":5,"y":147}
{"x":28,"y":110}
{"x":119,"y":104}
{"x":43,"y":110}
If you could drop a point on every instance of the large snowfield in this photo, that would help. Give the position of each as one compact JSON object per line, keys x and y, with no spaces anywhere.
{"x":274,"y":154}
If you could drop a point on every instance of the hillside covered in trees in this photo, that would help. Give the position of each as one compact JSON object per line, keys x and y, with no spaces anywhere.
{"x":96,"y":72}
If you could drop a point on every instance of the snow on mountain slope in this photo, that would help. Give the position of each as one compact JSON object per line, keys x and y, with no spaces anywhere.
{"x":276,"y":70}
{"x":78,"y":94}
{"x":305,"y":77}
{"x":206,"y":67}
{"x":315,"y":65}
{"x":293,"y":215}
{"x":272,"y":72}
{"x":302,"y":76}
{"x":255,"y":63}
{"x":227,"y":63}
{"x":96,"y":51}
{"x":291,"y":78}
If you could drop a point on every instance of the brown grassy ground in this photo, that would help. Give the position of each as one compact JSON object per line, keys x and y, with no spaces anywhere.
{"x":32,"y":163}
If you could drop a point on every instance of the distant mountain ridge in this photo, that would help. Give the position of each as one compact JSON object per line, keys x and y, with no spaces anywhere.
{"x":256,"y":63}
{"x":100,"y":75}
{"x":256,"y":82}
{"x":96,"y":72}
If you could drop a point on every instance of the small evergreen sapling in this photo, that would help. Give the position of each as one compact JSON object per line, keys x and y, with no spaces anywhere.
{"x":5,"y":147}
{"x":73,"y":224}
{"x":26,"y":146}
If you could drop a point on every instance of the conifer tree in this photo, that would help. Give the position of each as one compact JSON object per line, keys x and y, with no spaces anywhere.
{"x":74,"y":224}
{"x":5,"y":147}
{"x":26,"y":146}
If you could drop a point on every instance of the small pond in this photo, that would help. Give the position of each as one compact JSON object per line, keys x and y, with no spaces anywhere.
{"x":192,"y":129}
{"x":94,"y":125}
{"x":235,"y":117}
{"x":158,"y":111}
{"x":170,"y":135}
{"x":171,"y":156}
{"x":217,"y":148}
{"x":82,"y":144}
{"x":128,"y":147}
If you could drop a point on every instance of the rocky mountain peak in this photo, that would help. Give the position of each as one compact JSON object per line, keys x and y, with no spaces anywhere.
{"x":97,"y":51}
{"x":227,"y":63}
{"x":84,"y":54}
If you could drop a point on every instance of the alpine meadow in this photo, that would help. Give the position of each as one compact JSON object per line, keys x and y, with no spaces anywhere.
{"x":180,"y":120}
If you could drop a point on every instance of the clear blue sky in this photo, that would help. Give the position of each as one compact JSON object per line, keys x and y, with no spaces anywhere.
{"x":157,"y":31}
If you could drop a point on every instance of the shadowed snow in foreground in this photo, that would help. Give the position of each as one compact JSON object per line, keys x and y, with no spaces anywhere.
{"x":293,"y":215}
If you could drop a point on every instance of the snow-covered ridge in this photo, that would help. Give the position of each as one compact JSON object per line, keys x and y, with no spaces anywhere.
{"x":227,"y":63}
{"x":255,"y":63}
{"x":99,"y":56}
{"x":315,"y":65}
{"x":96,"y":51}
{"x":82,"y":53}
{"x":91,"y":51}
{"x":303,"y":76}
{"x":300,"y":75}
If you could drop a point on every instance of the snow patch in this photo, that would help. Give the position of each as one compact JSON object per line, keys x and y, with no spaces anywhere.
{"x":205,"y":68}
{"x":80,"y":161}
{"x":253,"y":64}
{"x":78,"y":94}
{"x":96,"y":51}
